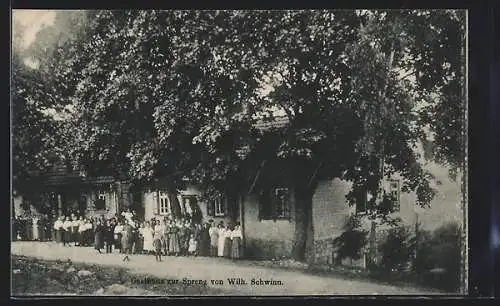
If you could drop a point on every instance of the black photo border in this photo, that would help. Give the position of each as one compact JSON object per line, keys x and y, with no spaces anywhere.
{"x":483,"y":108}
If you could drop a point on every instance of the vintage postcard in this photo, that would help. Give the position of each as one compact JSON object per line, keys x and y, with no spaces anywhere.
{"x":238,"y":152}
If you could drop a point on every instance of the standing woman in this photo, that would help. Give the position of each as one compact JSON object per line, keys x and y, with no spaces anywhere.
{"x":159,"y":234}
{"x":58,"y":230}
{"x":147,"y":234}
{"x":67,"y":231}
{"x":204,"y":240}
{"x":109,"y":236}
{"x":127,"y":240}
{"x":174,"y":247}
{"x":52,"y":223}
{"x":99,"y":232}
{"x":184,"y":235}
{"x":221,"y":239}
{"x":118,"y":235}
{"x":213,"y":231}
{"x":236,"y":246}
{"x":82,"y":228}
{"x":136,"y":238}
{"x":165,"y":229}
{"x":28,"y":228}
{"x":74,"y":230}
{"x":36,"y":227}
{"x":45,"y":228}
{"x":227,"y":241}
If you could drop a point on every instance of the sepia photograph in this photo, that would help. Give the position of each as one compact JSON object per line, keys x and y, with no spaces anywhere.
{"x":188,"y":153}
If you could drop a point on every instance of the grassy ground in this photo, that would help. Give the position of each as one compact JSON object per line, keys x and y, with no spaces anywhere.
{"x":34,"y":277}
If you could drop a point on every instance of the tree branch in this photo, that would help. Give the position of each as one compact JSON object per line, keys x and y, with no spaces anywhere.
{"x":314,"y":174}
{"x":407,"y":75}
{"x":256,"y":177}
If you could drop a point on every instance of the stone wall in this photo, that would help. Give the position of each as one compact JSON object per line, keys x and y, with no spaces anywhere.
{"x":322,"y":252}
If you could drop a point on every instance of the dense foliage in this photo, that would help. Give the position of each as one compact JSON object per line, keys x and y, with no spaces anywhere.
{"x":160,"y":96}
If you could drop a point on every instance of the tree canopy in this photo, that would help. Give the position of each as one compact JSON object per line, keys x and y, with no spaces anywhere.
{"x":168,"y":95}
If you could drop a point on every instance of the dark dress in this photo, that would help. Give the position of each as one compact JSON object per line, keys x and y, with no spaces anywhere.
{"x":236,"y":248}
{"x":136,"y":243}
{"x":28,"y":229}
{"x":184,"y":234}
{"x":173,"y":241}
{"x":157,"y":244}
{"x":127,"y":239}
{"x":204,"y":242}
{"x":58,"y":235}
{"x":99,"y":231}
{"x":227,"y":247}
{"x":109,"y":238}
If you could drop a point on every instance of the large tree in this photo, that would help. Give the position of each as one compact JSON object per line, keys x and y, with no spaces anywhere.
{"x":172,"y":94}
{"x":36,"y":142}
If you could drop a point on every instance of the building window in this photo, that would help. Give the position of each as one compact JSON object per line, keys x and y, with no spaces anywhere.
{"x":188,"y":203}
{"x":100,"y":203}
{"x":394,"y":192}
{"x":163,"y":203}
{"x":217,"y":207}
{"x":274,"y":204}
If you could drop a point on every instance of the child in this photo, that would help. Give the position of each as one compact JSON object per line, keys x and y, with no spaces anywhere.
{"x":193,"y":246}
{"x":157,"y":245}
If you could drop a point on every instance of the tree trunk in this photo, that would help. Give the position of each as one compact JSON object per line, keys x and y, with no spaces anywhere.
{"x":304,"y":235}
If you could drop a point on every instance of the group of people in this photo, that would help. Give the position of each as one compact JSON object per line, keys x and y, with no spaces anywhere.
{"x":31,"y":227}
{"x":170,"y":236}
{"x":127,"y":234}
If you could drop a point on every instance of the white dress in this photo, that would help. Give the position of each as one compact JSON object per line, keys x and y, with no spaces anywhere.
{"x":192,"y":245}
{"x":220,"y":246}
{"x":147,"y":233}
{"x":35,"y":229}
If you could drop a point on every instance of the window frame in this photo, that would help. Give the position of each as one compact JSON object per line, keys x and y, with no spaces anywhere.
{"x":212,"y":206}
{"x":163,"y":210}
{"x":271,"y":194}
{"x":101,"y":196}
{"x":183,"y":203}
